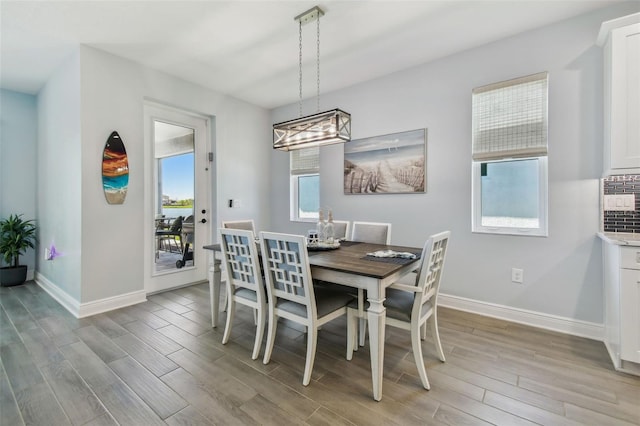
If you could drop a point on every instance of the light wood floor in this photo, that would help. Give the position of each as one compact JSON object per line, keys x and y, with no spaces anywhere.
{"x":160,"y":362}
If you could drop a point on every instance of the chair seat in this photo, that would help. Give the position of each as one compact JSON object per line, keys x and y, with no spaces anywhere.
{"x":327,"y":301}
{"x":245,"y":293}
{"x":398,"y":304}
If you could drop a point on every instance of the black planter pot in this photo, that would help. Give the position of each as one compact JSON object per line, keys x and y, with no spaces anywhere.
{"x":11,"y":275}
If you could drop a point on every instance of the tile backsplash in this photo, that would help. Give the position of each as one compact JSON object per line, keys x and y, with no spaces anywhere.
{"x":622,"y":221}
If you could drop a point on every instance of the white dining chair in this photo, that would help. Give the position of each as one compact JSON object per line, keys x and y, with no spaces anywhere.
{"x":247,"y":224}
{"x":292,"y":295}
{"x":244,"y":280}
{"x":341,"y":229}
{"x":371,"y":232}
{"x":375,"y":233}
{"x":410,"y":305}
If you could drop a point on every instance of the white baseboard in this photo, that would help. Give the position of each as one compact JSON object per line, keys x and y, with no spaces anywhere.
{"x":61,"y":296}
{"x":81,"y":310}
{"x":111,"y":303}
{"x":534,"y":319}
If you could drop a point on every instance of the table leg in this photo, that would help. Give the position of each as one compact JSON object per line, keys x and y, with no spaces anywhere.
{"x":214,"y":290}
{"x":376,"y":315}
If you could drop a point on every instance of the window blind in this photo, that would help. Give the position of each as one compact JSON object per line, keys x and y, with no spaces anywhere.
{"x":304,"y":161}
{"x":510,"y":118}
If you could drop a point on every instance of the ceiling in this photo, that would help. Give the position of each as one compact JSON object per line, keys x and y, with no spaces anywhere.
{"x":249,"y":49}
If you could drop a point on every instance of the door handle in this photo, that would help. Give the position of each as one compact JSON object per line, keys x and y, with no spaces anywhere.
{"x":203,"y":220}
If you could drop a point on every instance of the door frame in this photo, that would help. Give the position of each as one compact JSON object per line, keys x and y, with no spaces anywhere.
{"x":156,"y":282}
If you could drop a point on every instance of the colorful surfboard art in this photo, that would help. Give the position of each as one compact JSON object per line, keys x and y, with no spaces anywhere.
{"x":115,"y":170}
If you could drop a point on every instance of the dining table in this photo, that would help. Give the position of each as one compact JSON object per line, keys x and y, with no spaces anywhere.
{"x":350,"y":265}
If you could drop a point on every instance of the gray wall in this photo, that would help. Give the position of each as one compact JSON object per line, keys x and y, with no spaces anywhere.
{"x":18,"y":139}
{"x":60,"y":177}
{"x":562,"y":273}
{"x":92,"y":94}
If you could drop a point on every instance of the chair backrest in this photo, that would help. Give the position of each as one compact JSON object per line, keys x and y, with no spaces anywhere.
{"x":240,"y":256}
{"x":287,"y":271}
{"x":176,"y":225}
{"x":430,"y":271}
{"x":247,"y":224}
{"x":341,"y":229}
{"x":371,"y":232}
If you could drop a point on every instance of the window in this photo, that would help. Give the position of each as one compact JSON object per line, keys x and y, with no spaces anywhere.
{"x":509,"y":147}
{"x":305,"y":184}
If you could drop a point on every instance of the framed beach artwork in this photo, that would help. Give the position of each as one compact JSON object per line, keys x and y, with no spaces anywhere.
{"x":388,"y":164}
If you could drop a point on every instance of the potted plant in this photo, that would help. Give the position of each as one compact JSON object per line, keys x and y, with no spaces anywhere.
{"x":16,"y":235}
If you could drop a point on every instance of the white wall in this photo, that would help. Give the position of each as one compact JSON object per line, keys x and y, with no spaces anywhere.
{"x":18,"y":140}
{"x":562,"y":273}
{"x":113,"y":91}
{"x":59,"y":177}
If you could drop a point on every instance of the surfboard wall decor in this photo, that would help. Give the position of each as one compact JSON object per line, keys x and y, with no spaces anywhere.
{"x":115,"y":170}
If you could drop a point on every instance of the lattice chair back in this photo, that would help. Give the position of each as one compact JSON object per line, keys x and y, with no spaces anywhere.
{"x":430,"y":272}
{"x":287,"y":271}
{"x":244,"y":281}
{"x":240,"y":256}
{"x":371,"y":232}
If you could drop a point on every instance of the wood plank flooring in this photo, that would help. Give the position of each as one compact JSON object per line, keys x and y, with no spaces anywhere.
{"x":159,"y":362}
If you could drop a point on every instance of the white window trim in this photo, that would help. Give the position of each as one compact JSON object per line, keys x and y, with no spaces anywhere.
{"x":543,"y":196}
{"x":293,"y":199}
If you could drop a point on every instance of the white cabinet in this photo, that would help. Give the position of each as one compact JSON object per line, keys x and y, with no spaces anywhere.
{"x":622,"y":306}
{"x":630,"y":304}
{"x":621,"y":40}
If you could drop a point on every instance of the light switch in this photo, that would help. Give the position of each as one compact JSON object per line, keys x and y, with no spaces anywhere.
{"x":619,"y":202}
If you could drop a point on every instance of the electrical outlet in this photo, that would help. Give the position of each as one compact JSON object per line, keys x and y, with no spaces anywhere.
{"x":47,"y":256}
{"x":517,"y":275}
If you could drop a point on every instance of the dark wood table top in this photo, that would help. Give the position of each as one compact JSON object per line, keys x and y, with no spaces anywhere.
{"x":352,"y":258}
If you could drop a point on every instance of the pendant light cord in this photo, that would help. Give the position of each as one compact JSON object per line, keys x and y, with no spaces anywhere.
{"x":300,"y":67}
{"x":318,"y":63}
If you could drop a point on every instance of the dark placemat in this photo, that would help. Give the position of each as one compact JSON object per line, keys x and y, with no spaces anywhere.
{"x":394,"y":260}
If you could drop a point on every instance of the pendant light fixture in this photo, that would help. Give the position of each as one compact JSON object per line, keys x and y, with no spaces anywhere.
{"x":322,"y":128}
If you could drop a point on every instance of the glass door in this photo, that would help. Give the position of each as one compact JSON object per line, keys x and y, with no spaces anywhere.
{"x":177,"y":207}
{"x":174,"y":197}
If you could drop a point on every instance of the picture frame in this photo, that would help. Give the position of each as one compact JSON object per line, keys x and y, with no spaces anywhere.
{"x":388,"y":164}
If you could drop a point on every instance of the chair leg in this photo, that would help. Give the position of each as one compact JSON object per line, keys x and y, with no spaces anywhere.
{"x":271,"y":336}
{"x":261,"y":319}
{"x":230,"y":313}
{"x":352,"y":335}
{"x":416,"y":344}
{"x":312,"y":339}
{"x":226,"y":301}
{"x":436,"y":335}
{"x":424,"y":331}
{"x":361,"y":315}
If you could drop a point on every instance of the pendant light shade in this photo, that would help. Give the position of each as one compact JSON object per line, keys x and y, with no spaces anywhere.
{"x":324,"y":128}
{"x":321,"y":128}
